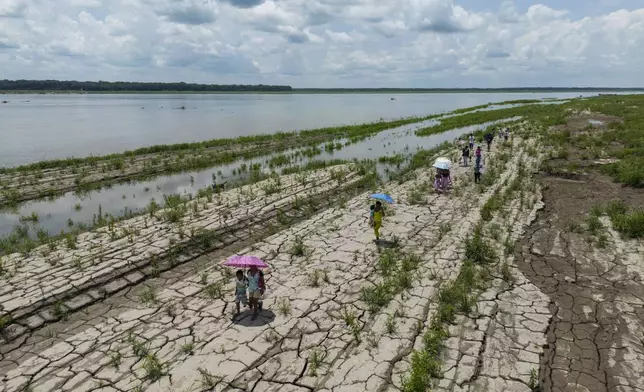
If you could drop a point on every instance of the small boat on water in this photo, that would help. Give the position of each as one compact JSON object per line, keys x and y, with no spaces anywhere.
{"x":393,"y":99}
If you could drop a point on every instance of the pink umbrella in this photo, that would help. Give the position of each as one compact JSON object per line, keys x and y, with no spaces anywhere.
{"x":245,"y":261}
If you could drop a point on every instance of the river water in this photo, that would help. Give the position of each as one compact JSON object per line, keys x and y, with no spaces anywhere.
{"x":47,"y":126}
{"x":56,"y":215}
{"x":36,"y":127}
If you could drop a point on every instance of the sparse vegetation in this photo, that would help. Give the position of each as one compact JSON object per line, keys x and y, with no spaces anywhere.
{"x":315,"y":359}
{"x":284,"y":306}
{"x":349,"y":316}
{"x":214,"y":290}
{"x":115,"y":359}
{"x":314,"y":278}
{"x":297,"y":247}
{"x":148,"y":295}
{"x":188,"y":348}
{"x":478,"y":250}
{"x":208,"y":380}
{"x":154,"y":369}
{"x":629,"y":222}
{"x":390,"y":325}
{"x":454,"y":297}
{"x":396,"y":269}
{"x":533,"y":383}
{"x":60,"y":310}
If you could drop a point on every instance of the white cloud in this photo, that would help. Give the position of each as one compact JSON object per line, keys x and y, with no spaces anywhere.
{"x":320,"y":43}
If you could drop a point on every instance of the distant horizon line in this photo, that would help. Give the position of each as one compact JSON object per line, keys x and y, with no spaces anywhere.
{"x":101,"y":85}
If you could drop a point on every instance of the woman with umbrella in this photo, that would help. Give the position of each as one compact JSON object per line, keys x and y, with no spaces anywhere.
{"x":443,"y":177}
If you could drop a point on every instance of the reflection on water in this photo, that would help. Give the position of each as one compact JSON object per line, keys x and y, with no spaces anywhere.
{"x":71,"y":209}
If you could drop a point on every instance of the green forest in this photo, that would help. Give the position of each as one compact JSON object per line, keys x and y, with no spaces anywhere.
{"x":102,"y":86}
{"x":151,"y":87}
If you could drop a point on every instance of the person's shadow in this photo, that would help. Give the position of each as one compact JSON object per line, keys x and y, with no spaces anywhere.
{"x":386,"y":244}
{"x":245,"y":318}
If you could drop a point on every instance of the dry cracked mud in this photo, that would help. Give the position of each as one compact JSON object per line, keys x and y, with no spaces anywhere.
{"x":174,"y":330}
{"x":595,"y":340}
{"x":99,"y":263}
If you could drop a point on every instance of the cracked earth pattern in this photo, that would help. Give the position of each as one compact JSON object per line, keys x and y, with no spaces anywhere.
{"x":301,"y":341}
{"x":595,"y":340}
{"x":498,"y":347}
{"x":200,"y":348}
{"x":106,"y":260}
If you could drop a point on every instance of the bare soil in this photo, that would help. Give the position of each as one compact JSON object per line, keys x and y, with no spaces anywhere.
{"x":595,"y":340}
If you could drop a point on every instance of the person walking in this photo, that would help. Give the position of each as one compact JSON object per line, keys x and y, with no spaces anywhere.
{"x":378,"y":214}
{"x":488,"y":138}
{"x":466,"y":155}
{"x":254,"y":293}
{"x":478,"y":169}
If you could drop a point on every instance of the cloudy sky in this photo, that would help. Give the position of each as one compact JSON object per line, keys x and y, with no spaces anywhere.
{"x":327,"y":43}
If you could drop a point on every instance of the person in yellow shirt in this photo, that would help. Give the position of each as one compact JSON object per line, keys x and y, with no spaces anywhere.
{"x":378,"y":214}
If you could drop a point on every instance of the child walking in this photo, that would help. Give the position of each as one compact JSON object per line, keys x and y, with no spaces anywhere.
{"x":241,"y":284}
{"x":378,"y":214}
{"x":254,"y":292}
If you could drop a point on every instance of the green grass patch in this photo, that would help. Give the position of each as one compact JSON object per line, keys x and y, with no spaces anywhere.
{"x":629,"y":222}
{"x":397,"y":270}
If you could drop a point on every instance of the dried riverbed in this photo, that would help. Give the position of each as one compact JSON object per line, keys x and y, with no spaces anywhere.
{"x":470,"y":291}
{"x":319,"y":330}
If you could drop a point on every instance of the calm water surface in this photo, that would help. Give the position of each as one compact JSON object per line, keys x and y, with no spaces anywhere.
{"x":38,"y":127}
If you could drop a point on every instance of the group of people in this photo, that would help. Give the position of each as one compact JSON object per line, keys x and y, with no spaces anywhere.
{"x":255,"y":285}
{"x":478,"y":159}
{"x":500,"y":132}
{"x":466,"y":149}
{"x":250,"y":287}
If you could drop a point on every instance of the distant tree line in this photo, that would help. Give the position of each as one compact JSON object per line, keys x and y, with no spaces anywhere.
{"x":73,"y":85}
{"x":482,"y":90}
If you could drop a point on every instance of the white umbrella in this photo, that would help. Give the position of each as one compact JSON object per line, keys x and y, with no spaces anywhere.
{"x":443,"y":163}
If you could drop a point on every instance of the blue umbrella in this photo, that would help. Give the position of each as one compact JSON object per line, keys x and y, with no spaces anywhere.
{"x":441,"y":165}
{"x":383,"y":197}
